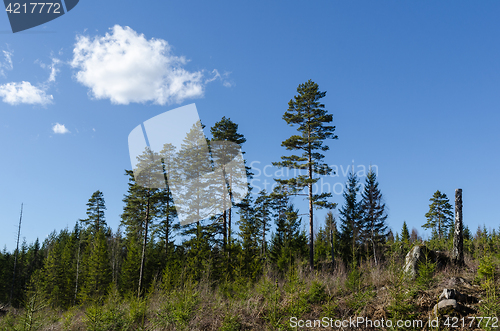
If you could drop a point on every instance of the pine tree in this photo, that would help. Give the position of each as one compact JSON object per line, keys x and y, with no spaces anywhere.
{"x":350,"y":220}
{"x":199,"y":199}
{"x":227,"y":131}
{"x":95,"y":212}
{"x":439,"y":217}
{"x":307,"y":112}
{"x":140,"y":209}
{"x":167,"y":212}
{"x":374,"y":227}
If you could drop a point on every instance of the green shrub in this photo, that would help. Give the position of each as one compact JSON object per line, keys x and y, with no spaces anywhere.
{"x":316,"y":293}
{"x":230,"y":323}
{"x":425,"y":276}
{"x":486,"y":270}
{"x":354,"y":279}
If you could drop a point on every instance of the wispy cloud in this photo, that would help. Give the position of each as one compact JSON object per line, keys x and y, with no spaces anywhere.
{"x":24,"y":93}
{"x":6,"y":64}
{"x":59,"y":129}
{"x":224,"y":78}
{"x":124,"y":67}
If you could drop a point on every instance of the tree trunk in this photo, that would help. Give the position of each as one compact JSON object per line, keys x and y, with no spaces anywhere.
{"x":458,"y":239}
{"x":144,"y":242}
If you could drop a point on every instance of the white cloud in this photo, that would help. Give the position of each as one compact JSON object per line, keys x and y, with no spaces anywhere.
{"x":125,"y":67}
{"x":59,"y":129}
{"x":7,"y":63}
{"x":224,"y":78}
{"x":53,"y":68}
{"x":24,"y":92}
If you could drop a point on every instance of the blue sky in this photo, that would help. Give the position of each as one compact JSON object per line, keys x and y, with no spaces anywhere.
{"x":413,"y":87}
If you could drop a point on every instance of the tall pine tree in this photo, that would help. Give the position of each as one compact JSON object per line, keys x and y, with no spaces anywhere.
{"x":312,"y":120}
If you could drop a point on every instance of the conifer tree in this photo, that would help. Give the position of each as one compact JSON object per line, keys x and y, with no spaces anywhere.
{"x":287,"y":242}
{"x":167,"y":213}
{"x":263,"y":215}
{"x":140,"y":209}
{"x":249,"y":236}
{"x":405,"y":237}
{"x":350,"y":217}
{"x":227,"y":131}
{"x":199,"y":199}
{"x":332,"y":234}
{"x":95,"y":212}
{"x":439,"y":217}
{"x":374,"y":228}
{"x":307,"y":112}
{"x":98,"y":276}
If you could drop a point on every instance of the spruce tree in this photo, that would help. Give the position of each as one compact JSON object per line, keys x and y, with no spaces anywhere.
{"x":405,"y":237}
{"x":287,"y":242}
{"x":350,"y":217}
{"x":440,"y":215}
{"x":263,"y":215}
{"x":332,"y":235}
{"x":312,"y":120}
{"x":249,"y":236}
{"x":374,"y":227}
{"x":98,"y":275}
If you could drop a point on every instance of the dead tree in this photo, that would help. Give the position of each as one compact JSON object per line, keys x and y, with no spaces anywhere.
{"x":457,"y":255}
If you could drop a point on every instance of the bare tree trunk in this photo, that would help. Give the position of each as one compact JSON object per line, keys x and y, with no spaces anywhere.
{"x":458,"y":239}
{"x":144,"y":242}
{"x":332,"y":248}
{"x":77,"y":267}
{"x":15,"y":257}
{"x":309,"y":186}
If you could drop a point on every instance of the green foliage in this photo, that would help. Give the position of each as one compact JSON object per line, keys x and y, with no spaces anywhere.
{"x":486,"y":270}
{"x":405,"y":236}
{"x":317,"y":293}
{"x":401,"y":305}
{"x":230,"y":323}
{"x":439,"y":216}
{"x":490,"y":306}
{"x":95,"y":212}
{"x":312,"y":120}
{"x":373,"y":227}
{"x":350,"y":220}
{"x":360,"y":299}
{"x":354,"y":278}
{"x":178,"y":308}
{"x":425,"y":277}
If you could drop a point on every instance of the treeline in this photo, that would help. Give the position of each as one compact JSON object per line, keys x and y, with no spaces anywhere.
{"x":151,"y":248}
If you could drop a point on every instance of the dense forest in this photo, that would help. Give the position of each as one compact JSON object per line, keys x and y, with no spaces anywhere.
{"x":252,"y":267}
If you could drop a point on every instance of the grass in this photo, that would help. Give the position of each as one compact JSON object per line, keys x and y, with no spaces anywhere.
{"x":372,"y":291}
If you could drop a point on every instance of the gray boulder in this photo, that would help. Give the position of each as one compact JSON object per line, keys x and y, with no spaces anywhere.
{"x":447,"y":307}
{"x":420,"y":254}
